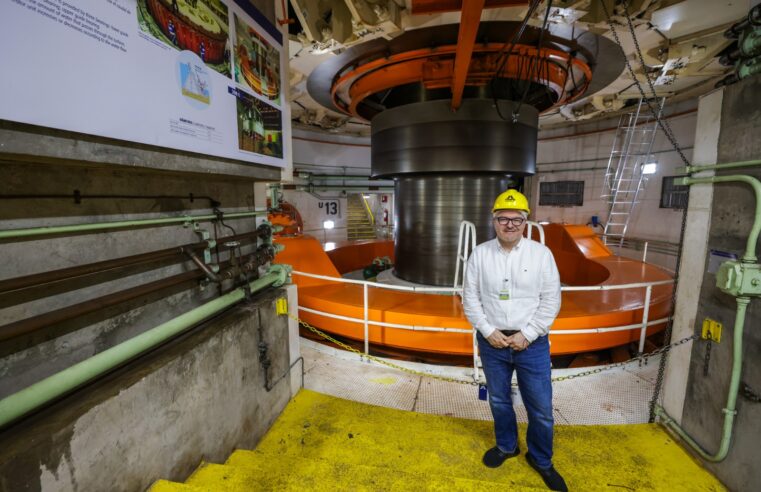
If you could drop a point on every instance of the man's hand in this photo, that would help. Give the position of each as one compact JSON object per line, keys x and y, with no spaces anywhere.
{"x":517,"y":341}
{"x":498,"y":339}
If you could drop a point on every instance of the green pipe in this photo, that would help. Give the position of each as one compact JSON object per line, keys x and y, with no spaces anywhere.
{"x":339,"y":187}
{"x":42,"y":231}
{"x":351,"y":177}
{"x":711,"y":167}
{"x":750,"y":43}
{"x":750,"y":248}
{"x":748,"y":68}
{"x":19,"y":404}
{"x":734,"y":385}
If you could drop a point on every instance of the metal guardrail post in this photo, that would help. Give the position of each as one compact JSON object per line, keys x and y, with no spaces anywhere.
{"x":645,"y":315}
{"x":475,"y":357}
{"x":367,"y":335}
{"x":642,"y":326}
{"x":644,"y":252}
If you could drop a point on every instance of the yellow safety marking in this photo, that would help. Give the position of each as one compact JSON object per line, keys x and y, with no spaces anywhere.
{"x":325,"y":443}
{"x":386,"y":381}
{"x":712,"y":330}
{"x":281,"y":306}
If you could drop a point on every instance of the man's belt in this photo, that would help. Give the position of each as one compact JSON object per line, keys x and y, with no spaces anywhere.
{"x":509,"y":332}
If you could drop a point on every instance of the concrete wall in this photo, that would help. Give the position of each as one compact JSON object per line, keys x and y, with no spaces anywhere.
{"x":327,"y":153}
{"x":569,"y":153}
{"x":323,"y":153}
{"x":314,"y":216}
{"x":731,"y":219}
{"x":97,"y":167}
{"x":197,"y":398}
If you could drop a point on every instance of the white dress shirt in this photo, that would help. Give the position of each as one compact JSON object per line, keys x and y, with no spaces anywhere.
{"x":512,"y":290}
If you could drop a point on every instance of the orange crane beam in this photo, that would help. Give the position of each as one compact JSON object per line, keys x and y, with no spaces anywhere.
{"x":466,"y":39}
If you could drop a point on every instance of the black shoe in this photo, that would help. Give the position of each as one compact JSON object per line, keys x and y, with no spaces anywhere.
{"x":551,"y":477}
{"x":495,"y":456}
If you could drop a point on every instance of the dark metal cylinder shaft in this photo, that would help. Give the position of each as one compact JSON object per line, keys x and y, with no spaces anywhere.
{"x":448,"y":167}
{"x":429,"y":210}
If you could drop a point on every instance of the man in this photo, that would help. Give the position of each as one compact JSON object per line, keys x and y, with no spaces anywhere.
{"x":512,"y":296}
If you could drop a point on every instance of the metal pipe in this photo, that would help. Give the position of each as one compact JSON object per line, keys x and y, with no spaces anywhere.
{"x":387,"y":189}
{"x":33,"y":397}
{"x":77,"y":197}
{"x":39,"y":279}
{"x":587,"y":331}
{"x":42,"y":231}
{"x":713,"y":167}
{"x":734,"y":385}
{"x":366,"y":332}
{"x":645,"y":315}
{"x":564,"y":288}
{"x":742,"y":305}
{"x":203,"y":266}
{"x":750,"y":248}
{"x":312,"y":175}
{"x":22,"y":327}
{"x":29,"y":325}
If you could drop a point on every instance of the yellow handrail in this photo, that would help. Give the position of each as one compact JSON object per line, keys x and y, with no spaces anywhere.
{"x":369,"y":212}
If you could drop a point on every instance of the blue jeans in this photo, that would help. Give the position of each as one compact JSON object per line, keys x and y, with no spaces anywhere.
{"x":532,"y":366}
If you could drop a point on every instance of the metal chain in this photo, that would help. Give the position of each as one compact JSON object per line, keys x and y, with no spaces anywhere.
{"x":707,"y":359}
{"x":639,"y":358}
{"x":377,"y":359}
{"x":384,"y":362}
{"x":665,"y":127}
{"x":667,"y":131}
{"x":750,"y":394}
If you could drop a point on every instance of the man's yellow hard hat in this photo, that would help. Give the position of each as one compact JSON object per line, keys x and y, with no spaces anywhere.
{"x":511,"y":200}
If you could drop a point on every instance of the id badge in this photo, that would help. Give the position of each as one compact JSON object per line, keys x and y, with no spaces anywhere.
{"x":504,"y":295}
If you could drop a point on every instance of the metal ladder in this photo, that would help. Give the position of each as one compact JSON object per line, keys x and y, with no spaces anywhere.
{"x":624,"y":180}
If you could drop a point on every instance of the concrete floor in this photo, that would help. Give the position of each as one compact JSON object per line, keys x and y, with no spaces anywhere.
{"x":617,"y":396}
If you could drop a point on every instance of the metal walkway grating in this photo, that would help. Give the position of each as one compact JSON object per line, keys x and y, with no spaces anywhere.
{"x":616,"y":396}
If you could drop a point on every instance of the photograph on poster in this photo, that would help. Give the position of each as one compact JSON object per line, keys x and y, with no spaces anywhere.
{"x":194,"y":78}
{"x":257,"y":62}
{"x":199,"y":26}
{"x":260,"y":127}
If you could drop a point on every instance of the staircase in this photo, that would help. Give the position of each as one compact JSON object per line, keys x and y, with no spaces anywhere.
{"x":360,"y":222}
{"x":324,"y":443}
{"x":624,"y":179}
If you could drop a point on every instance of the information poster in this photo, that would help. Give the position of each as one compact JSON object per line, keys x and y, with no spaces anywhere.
{"x":196,"y":75}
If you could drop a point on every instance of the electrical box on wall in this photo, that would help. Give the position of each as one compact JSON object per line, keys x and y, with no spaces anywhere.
{"x":739,"y":279}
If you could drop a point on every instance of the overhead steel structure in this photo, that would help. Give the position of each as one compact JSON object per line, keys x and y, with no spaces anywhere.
{"x":454,"y":114}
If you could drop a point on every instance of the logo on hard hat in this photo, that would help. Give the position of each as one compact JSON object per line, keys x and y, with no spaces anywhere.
{"x":510,"y":198}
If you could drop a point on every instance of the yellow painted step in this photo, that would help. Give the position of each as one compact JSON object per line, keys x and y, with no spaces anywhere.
{"x":167,"y":486}
{"x":250,"y":470}
{"x":643,"y":457}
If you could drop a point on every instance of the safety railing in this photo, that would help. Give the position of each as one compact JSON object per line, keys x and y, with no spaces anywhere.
{"x":466,"y":243}
{"x":644,"y":245}
{"x":369,"y":211}
{"x":530,"y":229}
{"x":365,"y":321}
